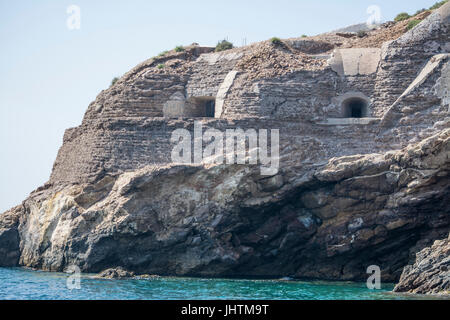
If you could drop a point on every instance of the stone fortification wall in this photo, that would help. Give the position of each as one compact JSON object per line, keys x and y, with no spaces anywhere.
{"x":268,"y":86}
{"x":402,"y":59}
{"x":121,"y":145}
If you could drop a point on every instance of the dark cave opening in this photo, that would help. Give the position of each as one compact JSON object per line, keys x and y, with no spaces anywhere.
{"x":355,"y":108}
{"x":204,"y":106}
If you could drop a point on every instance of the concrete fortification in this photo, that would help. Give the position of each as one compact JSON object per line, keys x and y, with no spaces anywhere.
{"x":363,"y":179}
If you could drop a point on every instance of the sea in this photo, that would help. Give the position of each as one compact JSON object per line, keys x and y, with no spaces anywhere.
{"x":26,"y":284}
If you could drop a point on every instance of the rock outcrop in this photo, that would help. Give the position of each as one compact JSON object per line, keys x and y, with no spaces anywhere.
{"x":115,"y":273}
{"x":229,"y":221}
{"x":363,"y":177}
{"x":430,"y":274}
{"x":9,"y":237}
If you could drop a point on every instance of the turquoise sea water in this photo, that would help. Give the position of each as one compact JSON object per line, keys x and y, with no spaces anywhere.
{"x":17,"y":283}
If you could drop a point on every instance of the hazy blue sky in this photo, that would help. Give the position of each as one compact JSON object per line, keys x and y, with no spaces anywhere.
{"x":49,"y":74}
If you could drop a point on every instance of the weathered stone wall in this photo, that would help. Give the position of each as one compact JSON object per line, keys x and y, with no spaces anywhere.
{"x":120,"y":131}
{"x":209,"y":71}
{"x":381,"y":75}
{"x":402,"y":59}
{"x":424,"y":107}
{"x":144,"y":98}
{"x":115,"y":146}
{"x":303,"y":95}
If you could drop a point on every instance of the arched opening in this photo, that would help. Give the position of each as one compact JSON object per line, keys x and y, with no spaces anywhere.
{"x":204,"y":106}
{"x":355,"y":108}
{"x":194,"y":107}
{"x":210,"y":106}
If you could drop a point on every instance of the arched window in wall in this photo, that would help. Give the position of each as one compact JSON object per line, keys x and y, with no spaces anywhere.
{"x":355,"y":107}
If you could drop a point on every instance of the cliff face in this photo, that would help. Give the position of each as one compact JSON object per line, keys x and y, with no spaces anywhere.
{"x":331,"y":223}
{"x":431,"y":271}
{"x":9,"y":237}
{"x":350,"y":192}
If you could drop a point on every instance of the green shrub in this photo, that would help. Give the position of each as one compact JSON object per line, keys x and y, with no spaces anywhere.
{"x":419,"y":12}
{"x":413,"y":23}
{"x":223,"y":45}
{"x":276,"y":41}
{"x":438,"y":4}
{"x":304,"y":36}
{"x":161,"y":65}
{"x":179,"y":49}
{"x":114,"y":80}
{"x":402,"y":16}
{"x":362,"y":33}
{"x":163,"y":53}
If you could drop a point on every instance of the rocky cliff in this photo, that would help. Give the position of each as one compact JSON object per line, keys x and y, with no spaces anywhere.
{"x":226,"y":220}
{"x":431,"y":271}
{"x":363,"y":175}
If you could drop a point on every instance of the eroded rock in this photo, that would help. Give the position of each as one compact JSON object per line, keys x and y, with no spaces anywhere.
{"x":115,"y":273}
{"x":430,"y":273}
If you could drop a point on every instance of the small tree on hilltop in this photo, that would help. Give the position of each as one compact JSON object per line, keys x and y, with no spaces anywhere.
{"x":276,"y":41}
{"x":224,"y":45}
{"x":114,"y":80}
{"x":402,"y":16}
{"x":179,"y":49}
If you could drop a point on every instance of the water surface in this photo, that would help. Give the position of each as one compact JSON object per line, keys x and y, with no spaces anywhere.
{"x":19,"y":283}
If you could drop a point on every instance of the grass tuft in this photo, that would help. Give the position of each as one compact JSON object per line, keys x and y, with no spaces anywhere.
{"x":114,"y":80}
{"x":402,"y":16}
{"x":276,"y":41}
{"x":362,"y":34}
{"x":179,"y":49}
{"x":437,"y":5}
{"x":412,"y":24}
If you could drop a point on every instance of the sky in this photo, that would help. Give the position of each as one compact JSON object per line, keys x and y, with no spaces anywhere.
{"x":49,"y":73}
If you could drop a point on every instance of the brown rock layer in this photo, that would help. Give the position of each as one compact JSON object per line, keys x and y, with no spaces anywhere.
{"x":430,"y":273}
